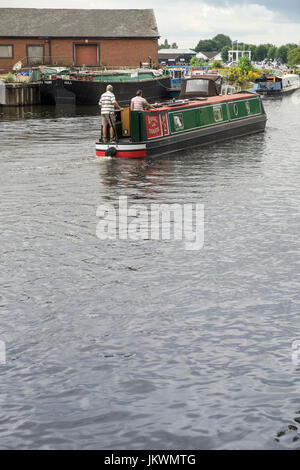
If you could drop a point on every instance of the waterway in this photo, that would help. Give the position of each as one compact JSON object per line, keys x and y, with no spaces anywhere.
{"x":143,"y":344}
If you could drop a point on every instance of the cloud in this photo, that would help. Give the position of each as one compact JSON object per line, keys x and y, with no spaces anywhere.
{"x":289,"y":8}
{"x":188,"y":21}
{"x":247,"y":23}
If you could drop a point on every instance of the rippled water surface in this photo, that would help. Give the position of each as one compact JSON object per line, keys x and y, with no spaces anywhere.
{"x":129,"y":344}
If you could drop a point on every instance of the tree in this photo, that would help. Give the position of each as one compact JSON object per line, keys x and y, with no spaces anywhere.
{"x":271,"y":54}
{"x":244,"y":63}
{"x":194,"y":62}
{"x":217,"y":64}
{"x":282,"y":53}
{"x":165,"y":45}
{"x":221,"y":40}
{"x":261,"y":52}
{"x":224,"y":53}
{"x":291,"y":46}
{"x":206,"y":45}
{"x":252,"y":48}
{"x":293,"y":57}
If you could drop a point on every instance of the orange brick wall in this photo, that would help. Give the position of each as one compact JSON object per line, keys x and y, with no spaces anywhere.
{"x":113,"y":52}
{"x":19,"y":51}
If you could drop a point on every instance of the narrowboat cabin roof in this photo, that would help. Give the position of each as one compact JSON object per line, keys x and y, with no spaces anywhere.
{"x":178,"y":104}
{"x":202,"y":86}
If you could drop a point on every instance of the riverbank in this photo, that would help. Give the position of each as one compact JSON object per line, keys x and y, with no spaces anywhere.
{"x":19,"y":94}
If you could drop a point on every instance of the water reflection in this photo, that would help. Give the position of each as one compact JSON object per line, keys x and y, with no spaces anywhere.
{"x":141,"y":177}
{"x":14,"y":113}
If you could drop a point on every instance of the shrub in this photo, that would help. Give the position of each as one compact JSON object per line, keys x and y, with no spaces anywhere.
{"x":217,"y":64}
{"x":244,"y":63}
{"x":10,"y":78}
{"x":197,"y":62}
{"x":238,"y":76}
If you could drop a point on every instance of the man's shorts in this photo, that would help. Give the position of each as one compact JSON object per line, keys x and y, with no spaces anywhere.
{"x":108,"y":119}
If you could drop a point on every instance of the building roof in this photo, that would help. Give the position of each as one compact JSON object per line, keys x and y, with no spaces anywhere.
{"x":176,"y":52}
{"x":36,"y":22}
{"x":201,"y":55}
{"x":210,"y":54}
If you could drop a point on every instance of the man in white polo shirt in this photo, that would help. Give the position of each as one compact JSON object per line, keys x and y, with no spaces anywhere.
{"x":108,"y":104}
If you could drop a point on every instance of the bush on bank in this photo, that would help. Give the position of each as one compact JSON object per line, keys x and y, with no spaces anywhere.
{"x":10,"y":78}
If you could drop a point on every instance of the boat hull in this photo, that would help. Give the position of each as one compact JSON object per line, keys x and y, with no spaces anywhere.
{"x":175,"y":143}
{"x":277,"y":94}
{"x":81,"y":92}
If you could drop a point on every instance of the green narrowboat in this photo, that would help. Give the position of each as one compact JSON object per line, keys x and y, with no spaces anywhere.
{"x":185,"y":123}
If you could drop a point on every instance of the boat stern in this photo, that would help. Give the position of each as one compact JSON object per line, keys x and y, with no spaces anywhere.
{"x":123,"y":150}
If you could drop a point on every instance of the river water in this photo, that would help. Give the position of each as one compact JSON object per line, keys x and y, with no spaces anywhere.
{"x":144,"y":344}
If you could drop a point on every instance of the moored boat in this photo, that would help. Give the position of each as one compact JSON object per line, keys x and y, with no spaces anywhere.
{"x":275,"y":86}
{"x":268,"y":85}
{"x":85,"y":87}
{"x":290,"y":83}
{"x":179,"y":124}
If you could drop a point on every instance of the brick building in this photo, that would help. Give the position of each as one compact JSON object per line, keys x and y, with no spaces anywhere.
{"x":77,"y":37}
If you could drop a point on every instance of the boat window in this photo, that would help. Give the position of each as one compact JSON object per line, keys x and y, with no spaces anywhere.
{"x":235,"y":109}
{"x":197,"y":86}
{"x":218,"y":114}
{"x":178,"y":121}
{"x":248,"y":107}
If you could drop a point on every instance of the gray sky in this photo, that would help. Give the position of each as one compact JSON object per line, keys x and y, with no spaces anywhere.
{"x":186,"y":22}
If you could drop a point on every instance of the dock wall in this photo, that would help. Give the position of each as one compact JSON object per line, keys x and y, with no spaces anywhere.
{"x":19,"y":94}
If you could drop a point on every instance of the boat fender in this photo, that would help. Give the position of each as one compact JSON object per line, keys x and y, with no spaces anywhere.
{"x":110,"y":152}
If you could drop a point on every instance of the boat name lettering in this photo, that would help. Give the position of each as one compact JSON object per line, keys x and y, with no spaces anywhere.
{"x":153,"y":126}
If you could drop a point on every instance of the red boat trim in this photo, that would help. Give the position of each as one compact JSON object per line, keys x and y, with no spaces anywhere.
{"x":124,"y":154}
{"x":128,"y":150}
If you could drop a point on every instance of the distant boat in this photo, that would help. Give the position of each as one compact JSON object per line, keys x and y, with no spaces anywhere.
{"x":272,"y":85}
{"x":67,"y":86}
{"x":290,"y":83}
{"x":180,"y":73}
{"x":201,"y":116}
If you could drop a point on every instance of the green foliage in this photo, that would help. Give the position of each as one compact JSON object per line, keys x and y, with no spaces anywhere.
{"x":194,"y":62}
{"x":217,"y":64}
{"x":206,"y":45}
{"x":291,"y":46}
{"x":244,"y":63}
{"x":293,"y":57}
{"x":271,"y":54}
{"x":282,"y":53}
{"x":166,"y":45}
{"x":221,"y":40}
{"x":261,"y":52}
{"x":224,"y":53}
{"x":10,"y":78}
